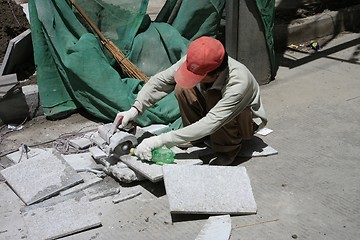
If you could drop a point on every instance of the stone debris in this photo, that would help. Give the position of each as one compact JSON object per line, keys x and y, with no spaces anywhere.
{"x":105,"y":193}
{"x":121,"y":198}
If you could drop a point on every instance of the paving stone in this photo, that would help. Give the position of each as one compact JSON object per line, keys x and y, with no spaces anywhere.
{"x":31,"y":93}
{"x":208,"y":189}
{"x":216,"y":228}
{"x":97,"y":153}
{"x":61,"y":219}
{"x":7,"y":83}
{"x":40,"y":177}
{"x":81,"y":161}
{"x":8,"y":199}
{"x":80,"y":143}
{"x":19,"y":51}
{"x":153,"y":171}
{"x":90,"y":179}
{"x":20,"y":155}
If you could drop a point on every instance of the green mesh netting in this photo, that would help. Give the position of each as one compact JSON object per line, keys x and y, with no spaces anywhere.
{"x":75,"y":71}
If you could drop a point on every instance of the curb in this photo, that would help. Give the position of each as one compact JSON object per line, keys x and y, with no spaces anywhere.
{"x":321,"y":25}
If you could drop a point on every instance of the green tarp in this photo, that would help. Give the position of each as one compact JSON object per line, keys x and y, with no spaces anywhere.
{"x":75,"y":71}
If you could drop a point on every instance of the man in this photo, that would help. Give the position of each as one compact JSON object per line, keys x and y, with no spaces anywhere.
{"x":217,"y":96}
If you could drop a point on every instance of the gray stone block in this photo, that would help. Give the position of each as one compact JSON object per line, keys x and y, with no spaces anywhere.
{"x":40,"y":177}
{"x":153,"y":171}
{"x":21,"y":155}
{"x":80,"y":143}
{"x":216,"y":228}
{"x":97,"y":153}
{"x":7,"y":84}
{"x":31,"y":93}
{"x":81,"y":161}
{"x":61,"y":219}
{"x":208,"y":189}
{"x":90,"y":179}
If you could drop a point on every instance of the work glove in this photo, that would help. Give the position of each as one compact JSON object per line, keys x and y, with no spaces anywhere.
{"x":123,"y":119}
{"x":143,"y":150}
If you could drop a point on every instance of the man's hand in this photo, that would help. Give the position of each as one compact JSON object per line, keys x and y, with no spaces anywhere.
{"x":143,"y":150}
{"x":123,"y":119}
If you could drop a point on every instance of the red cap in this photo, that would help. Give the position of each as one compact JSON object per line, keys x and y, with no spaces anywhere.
{"x":204,"y":55}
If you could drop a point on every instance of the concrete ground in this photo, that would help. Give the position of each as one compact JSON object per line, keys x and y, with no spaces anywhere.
{"x":310,"y":190}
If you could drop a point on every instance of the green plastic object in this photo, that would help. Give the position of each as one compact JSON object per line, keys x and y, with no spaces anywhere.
{"x":162,"y":155}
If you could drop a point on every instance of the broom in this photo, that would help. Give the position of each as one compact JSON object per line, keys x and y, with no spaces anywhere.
{"x":125,"y":64}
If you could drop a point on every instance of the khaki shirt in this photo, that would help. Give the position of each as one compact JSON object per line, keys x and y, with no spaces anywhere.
{"x":239,"y":90}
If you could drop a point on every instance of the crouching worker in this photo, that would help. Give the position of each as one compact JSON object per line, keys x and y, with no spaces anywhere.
{"x":217,"y":96}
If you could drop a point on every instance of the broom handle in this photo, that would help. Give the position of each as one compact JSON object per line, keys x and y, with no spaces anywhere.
{"x":129,"y":67}
{"x":83,"y":14}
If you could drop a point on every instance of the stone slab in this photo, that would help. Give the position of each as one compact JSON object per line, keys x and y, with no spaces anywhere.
{"x":7,"y":83}
{"x":208,"y":189}
{"x":81,"y":161}
{"x":264,"y":131}
{"x":61,"y":219}
{"x":97,"y":153}
{"x":216,"y":228}
{"x":40,"y":177}
{"x":32,"y":98}
{"x":18,"y":51}
{"x":80,"y":143}
{"x":153,"y":171}
{"x":90,"y":179}
{"x":20,"y":155}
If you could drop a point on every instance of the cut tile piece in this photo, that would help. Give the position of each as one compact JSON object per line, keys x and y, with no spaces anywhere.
{"x":40,"y":177}
{"x":208,"y":189}
{"x":153,"y":171}
{"x":80,"y":143}
{"x":264,"y":131}
{"x":90,"y":179}
{"x":97,"y":153}
{"x":61,"y":219}
{"x":216,"y":228}
{"x":81,"y":161}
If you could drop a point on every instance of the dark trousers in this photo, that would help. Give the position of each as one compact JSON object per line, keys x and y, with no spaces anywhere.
{"x":227,"y":140}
